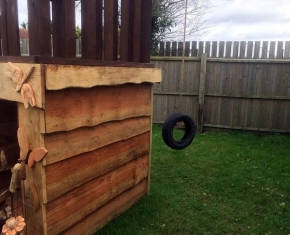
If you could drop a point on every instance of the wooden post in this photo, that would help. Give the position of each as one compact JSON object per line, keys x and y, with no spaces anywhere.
{"x":201,"y":91}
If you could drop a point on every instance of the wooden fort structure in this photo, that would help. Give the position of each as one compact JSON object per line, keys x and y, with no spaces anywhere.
{"x":92,"y":114}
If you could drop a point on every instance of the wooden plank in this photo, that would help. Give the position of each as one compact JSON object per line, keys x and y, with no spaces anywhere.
{"x":127,"y":19}
{"x":97,"y":105}
{"x":221,"y":49}
{"x":287,"y":50}
{"x":187,"y":48}
{"x":36,"y":81}
{"x":112,"y":209}
{"x":250,"y":49}
{"x":180,"y":49}
{"x":161,"y":50}
{"x":10,"y":29}
{"x":174,"y":49}
{"x":87,"y":139}
{"x":39,"y":27}
{"x":207,"y":48}
{"x":201,"y":91}
{"x":236,"y":49}
{"x":200,"y":48}
{"x":91,"y":196}
{"x":193,"y":49}
{"x":265,"y":50}
{"x":31,"y":120}
{"x":167,"y":49}
{"x":63,"y":28}
{"x":137,"y":31}
{"x":60,"y":77}
{"x":214,"y":49}
{"x":280,"y":50}
{"x":150,"y":143}
{"x":146,"y":22}
{"x":90,"y":165}
{"x":228,"y":49}
{"x":272,"y":50}
{"x":257,"y":50}
{"x":243,"y":49}
{"x":110,"y":30}
{"x":92,"y":29}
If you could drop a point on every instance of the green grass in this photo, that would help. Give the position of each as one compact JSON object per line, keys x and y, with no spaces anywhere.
{"x":223,"y":183}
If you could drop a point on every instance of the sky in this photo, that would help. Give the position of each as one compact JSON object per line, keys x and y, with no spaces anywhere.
{"x":236,"y":20}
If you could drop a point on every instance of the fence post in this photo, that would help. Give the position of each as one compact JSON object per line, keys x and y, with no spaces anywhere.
{"x":201,"y":91}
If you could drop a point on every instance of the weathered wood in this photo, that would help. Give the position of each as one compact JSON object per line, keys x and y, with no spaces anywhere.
{"x":221,"y":49}
{"x":60,"y":77}
{"x":287,"y":50}
{"x":200,"y":48}
{"x":97,"y":219}
{"x":167,"y":49}
{"x":174,"y":49}
{"x":63,"y":28}
{"x":111,"y":30}
{"x":92,"y":31}
{"x":146,"y":22}
{"x":150,"y":144}
{"x":207,"y":48}
{"x":214,"y":49}
{"x":236,"y":49}
{"x":90,"y":165}
{"x":187,"y":48}
{"x":279,"y":50}
{"x":10,"y":29}
{"x":127,"y":19}
{"x":88,"y":139}
{"x":193,"y":49}
{"x":36,"y":81}
{"x":272,"y":50}
{"x":137,"y":31}
{"x":89,"y":197}
{"x":250,"y":49}
{"x":228,"y":49}
{"x":265,"y":50}
{"x":201,"y":91}
{"x":257,"y":50}
{"x":243,"y":50}
{"x":39,"y":27}
{"x":180,"y":48}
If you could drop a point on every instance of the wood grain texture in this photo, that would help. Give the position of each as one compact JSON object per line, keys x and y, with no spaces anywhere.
{"x":90,"y":165}
{"x":60,"y":77}
{"x":92,"y":42}
{"x":32,"y":122}
{"x":146,"y":22}
{"x":137,"y":31}
{"x":109,"y":211}
{"x":10,"y":29}
{"x":64,"y":145}
{"x":90,"y":107}
{"x":63,"y":212}
{"x":39,"y":27}
{"x":36,"y":81}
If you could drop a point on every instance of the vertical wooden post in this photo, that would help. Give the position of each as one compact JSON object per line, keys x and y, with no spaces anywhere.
{"x":39,"y":27}
{"x":146,"y":22}
{"x":10,"y":28}
{"x":201,"y":91}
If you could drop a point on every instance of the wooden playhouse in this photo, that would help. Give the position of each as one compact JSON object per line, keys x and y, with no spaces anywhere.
{"x":92,"y":114}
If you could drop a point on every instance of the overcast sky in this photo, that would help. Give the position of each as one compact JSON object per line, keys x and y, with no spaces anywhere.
{"x":237,"y":20}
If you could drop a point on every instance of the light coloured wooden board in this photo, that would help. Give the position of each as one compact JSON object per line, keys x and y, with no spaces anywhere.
{"x":64,"y":76}
{"x":70,"y":208}
{"x":62,"y":145}
{"x":90,"y":165}
{"x":72,"y":108}
{"x":109,"y":211}
{"x":36,"y":81}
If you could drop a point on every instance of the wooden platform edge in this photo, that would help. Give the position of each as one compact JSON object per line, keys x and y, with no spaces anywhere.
{"x":99,"y":218}
{"x":64,"y":76}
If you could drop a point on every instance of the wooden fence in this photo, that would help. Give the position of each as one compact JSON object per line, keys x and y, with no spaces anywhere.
{"x":228,"y":49}
{"x":230,"y":93}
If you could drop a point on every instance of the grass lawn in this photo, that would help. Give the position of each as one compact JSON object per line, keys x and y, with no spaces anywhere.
{"x":223,"y":183}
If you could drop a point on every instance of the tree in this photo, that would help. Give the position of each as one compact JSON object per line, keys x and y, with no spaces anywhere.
{"x":24,"y":25}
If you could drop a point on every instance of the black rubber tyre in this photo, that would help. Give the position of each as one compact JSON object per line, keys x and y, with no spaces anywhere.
{"x":169,"y":125}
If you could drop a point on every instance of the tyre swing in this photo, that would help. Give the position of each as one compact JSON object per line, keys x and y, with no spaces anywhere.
{"x":179,"y":119}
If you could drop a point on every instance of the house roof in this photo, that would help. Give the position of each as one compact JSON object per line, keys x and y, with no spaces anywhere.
{"x":23,"y":33}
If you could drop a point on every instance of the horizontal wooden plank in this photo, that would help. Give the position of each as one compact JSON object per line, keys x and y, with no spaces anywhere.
{"x":109,"y":211}
{"x":90,"y":165}
{"x":249,"y":96}
{"x":59,"y":77}
{"x":72,"y":108}
{"x":7,"y":86}
{"x":73,"y":206}
{"x":62,"y":145}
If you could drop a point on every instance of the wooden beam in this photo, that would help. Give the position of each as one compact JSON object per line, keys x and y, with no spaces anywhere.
{"x":146,"y":18}
{"x":201,"y":91}
{"x":39,"y":27}
{"x":10,"y":28}
{"x":92,"y":29}
{"x":111,"y":30}
{"x":63,"y":28}
{"x":137,"y":31}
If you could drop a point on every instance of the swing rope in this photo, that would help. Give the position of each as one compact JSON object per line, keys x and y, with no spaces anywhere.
{"x":182,"y":62}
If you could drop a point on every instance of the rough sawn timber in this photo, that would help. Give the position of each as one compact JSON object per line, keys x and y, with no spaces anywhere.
{"x":63,"y":76}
